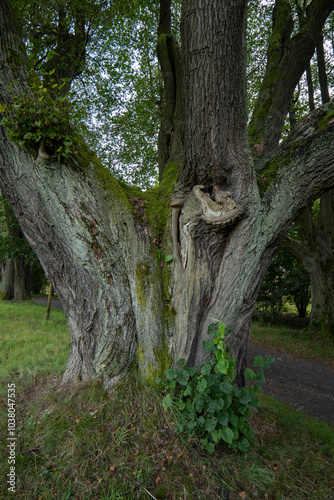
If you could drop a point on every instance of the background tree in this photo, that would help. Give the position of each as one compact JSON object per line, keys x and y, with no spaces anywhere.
{"x":102,"y":243}
{"x":22,"y":272}
{"x":285,"y":279}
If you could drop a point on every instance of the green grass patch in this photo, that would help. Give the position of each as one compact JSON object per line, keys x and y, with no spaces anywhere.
{"x":294,"y":341}
{"x":85,"y":444}
{"x":28,"y":343}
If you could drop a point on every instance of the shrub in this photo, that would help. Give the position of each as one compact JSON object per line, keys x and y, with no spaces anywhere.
{"x":209,"y":403}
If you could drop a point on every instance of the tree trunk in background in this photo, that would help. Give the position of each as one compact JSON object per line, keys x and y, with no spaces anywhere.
{"x":103,"y":244}
{"x":19,"y":272}
{"x":170,"y":133}
{"x":315,"y":250}
{"x":325,"y":97}
{"x":310,"y":87}
{"x":7,"y":284}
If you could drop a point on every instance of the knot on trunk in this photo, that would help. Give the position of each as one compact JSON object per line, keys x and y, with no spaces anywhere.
{"x":222,"y":210}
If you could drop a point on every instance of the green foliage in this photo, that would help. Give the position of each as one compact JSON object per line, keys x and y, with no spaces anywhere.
{"x":11,"y":246}
{"x":209,"y":403}
{"x":40,"y":118}
{"x":286,"y":278}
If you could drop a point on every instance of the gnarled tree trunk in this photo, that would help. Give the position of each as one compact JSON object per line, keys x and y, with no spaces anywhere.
{"x":103,"y":244}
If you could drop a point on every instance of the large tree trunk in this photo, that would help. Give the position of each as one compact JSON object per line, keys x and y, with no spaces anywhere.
{"x":102,"y":244}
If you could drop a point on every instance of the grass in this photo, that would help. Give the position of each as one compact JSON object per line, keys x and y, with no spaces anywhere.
{"x":299,"y":342}
{"x":87,"y":444}
{"x":29,"y":342}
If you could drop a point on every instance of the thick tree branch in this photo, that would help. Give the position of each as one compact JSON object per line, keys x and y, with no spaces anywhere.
{"x":286,"y":62}
{"x":301,"y":169}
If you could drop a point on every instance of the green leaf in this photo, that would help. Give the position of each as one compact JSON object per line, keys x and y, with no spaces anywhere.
{"x":244,"y":445}
{"x":249,"y":374}
{"x":171,"y":374}
{"x":188,"y":390}
{"x":210,"y":447}
{"x":258,"y":361}
{"x":210,"y":424}
{"x":181,"y":362}
{"x":183,"y":377}
{"x":260,"y":377}
{"x":168,"y":258}
{"x":181,"y":405}
{"x":206,"y":369}
{"x":201,"y":420}
{"x":222,"y":368}
{"x":167,"y":402}
{"x":212,"y":329}
{"x":190,"y":406}
{"x":202,"y":385}
{"x":208,"y":345}
{"x":223,"y":419}
{"x":227,"y":435}
{"x":245,"y":397}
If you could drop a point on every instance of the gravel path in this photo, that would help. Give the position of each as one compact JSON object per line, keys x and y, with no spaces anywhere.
{"x":300,"y":382}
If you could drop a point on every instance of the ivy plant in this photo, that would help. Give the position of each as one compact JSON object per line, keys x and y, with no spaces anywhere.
{"x":40,"y":118}
{"x":208,"y":402}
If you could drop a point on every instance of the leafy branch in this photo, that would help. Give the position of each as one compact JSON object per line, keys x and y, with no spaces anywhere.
{"x":40,"y":118}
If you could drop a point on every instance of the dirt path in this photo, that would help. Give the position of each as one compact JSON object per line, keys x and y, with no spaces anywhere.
{"x":300,"y":382}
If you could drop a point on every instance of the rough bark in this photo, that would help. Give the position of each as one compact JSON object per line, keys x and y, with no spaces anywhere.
{"x":101,"y":242}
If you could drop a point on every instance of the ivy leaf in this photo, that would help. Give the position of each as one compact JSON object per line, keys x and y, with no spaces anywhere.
{"x":168,"y":258}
